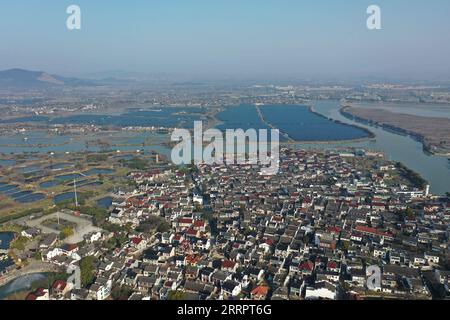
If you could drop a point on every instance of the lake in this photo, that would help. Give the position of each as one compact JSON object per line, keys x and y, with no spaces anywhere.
{"x":240,"y":117}
{"x":297,"y":122}
{"x":300,"y":124}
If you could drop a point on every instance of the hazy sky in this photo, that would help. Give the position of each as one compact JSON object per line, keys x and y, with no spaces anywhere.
{"x":228,"y":37}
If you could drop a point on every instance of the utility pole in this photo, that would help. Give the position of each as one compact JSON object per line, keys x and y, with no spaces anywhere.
{"x":75,"y":189}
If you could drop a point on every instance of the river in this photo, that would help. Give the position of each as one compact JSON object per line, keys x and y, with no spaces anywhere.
{"x":435,"y":169}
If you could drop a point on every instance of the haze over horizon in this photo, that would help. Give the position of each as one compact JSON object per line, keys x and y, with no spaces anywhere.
{"x":247,"y":39}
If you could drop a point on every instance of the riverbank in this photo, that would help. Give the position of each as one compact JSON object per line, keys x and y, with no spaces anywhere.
{"x":396,"y":147}
{"x":433,"y":133}
{"x":370,"y":134}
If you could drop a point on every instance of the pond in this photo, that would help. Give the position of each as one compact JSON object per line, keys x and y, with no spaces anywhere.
{"x":49,"y":184}
{"x":33,"y":197}
{"x":105,"y":203}
{"x":59,"y":166}
{"x":29,"y":169}
{"x":10,"y":191}
{"x":7,"y":163}
{"x":98,"y":171}
{"x":20,"y":194}
{"x":20,"y":284}
{"x":5,"y":242}
{"x":64,"y":196}
{"x":93,"y":183}
{"x":69,"y":176}
{"x":4,"y":188}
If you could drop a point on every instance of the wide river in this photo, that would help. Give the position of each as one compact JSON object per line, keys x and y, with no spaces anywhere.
{"x":435,"y":169}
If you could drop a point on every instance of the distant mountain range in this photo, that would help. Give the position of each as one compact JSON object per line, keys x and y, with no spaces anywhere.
{"x":22,"y":79}
{"x":25,"y":79}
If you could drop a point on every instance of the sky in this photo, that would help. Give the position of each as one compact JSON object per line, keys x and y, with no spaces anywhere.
{"x":240,"y":38}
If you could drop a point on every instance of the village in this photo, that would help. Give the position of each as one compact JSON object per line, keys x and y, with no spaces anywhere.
{"x":226,"y":232}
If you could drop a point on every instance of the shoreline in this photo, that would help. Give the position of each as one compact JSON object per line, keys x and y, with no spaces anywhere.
{"x":213,"y":120}
{"x":35,"y":267}
{"x":370,"y":134}
{"x":391,"y":128}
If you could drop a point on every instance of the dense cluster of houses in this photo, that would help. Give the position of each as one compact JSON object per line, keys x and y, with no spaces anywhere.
{"x":310,"y":232}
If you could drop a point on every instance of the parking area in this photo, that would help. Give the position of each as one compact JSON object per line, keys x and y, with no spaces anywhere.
{"x":82,"y":226}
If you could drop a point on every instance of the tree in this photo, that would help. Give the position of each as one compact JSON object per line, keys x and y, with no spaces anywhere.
{"x":121,"y":292}
{"x":345,"y":245}
{"x":19,"y":243}
{"x":410,"y":214}
{"x":154,"y":223}
{"x":38,"y":255}
{"x":78,"y":166}
{"x":87,"y":268}
{"x":49,"y":280}
{"x":176,"y":295}
{"x":137,"y":163}
{"x":66,"y":232}
{"x":198,"y":207}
